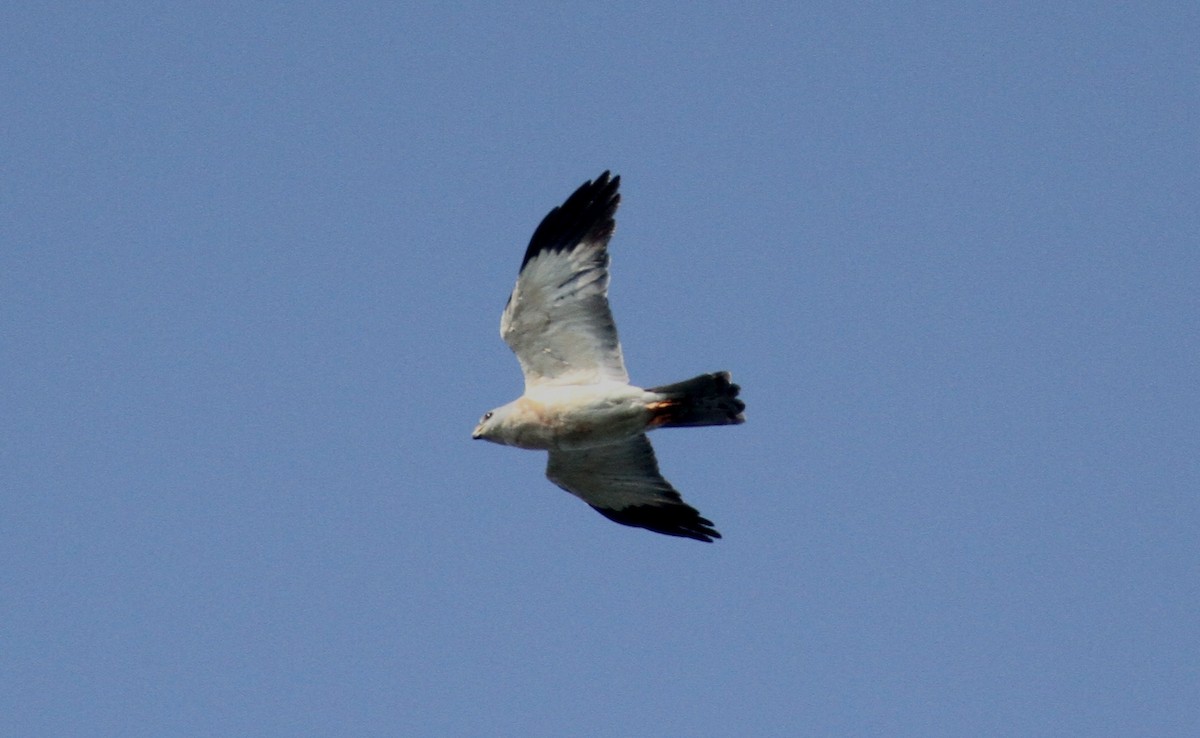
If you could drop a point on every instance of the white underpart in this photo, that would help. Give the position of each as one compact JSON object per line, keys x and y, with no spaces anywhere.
{"x":576,"y":416}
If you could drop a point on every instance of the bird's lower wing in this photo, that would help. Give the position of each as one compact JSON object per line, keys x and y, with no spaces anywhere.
{"x":621,"y":481}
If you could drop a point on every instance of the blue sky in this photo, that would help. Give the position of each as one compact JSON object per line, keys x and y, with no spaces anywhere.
{"x":253,"y":264}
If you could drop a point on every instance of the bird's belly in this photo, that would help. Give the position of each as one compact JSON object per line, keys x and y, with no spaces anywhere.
{"x":570,"y":426}
{"x":597,"y":430}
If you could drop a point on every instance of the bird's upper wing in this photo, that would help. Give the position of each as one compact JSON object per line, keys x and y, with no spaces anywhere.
{"x":557,"y":320}
{"x":621,"y":481}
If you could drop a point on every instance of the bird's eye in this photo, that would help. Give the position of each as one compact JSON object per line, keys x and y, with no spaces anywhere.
{"x":487,"y":416}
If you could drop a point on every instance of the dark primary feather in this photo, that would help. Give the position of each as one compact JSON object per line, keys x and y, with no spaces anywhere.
{"x":587,"y":215}
{"x":670,"y":518}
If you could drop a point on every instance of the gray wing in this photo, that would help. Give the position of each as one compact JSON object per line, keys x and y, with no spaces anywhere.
{"x":621,"y":482}
{"x":557,"y":320}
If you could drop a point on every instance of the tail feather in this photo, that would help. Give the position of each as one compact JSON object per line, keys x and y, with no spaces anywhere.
{"x":709,"y":399}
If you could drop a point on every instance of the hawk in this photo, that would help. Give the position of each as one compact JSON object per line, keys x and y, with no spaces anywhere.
{"x":578,"y":403}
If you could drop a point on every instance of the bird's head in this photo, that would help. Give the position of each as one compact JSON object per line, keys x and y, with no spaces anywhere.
{"x":490,"y":425}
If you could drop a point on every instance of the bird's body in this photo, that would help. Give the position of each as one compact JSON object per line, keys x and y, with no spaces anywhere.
{"x":578,"y":403}
{"x":572,"y":417}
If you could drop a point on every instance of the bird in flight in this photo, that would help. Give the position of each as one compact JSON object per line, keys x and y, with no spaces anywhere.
{"x":578,"y":403}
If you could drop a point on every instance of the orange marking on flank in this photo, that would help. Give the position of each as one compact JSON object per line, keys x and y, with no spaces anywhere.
{"x":659,"y":412}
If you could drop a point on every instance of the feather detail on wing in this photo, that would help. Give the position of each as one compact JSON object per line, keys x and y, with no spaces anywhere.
{"x":621,"y":481}
{"x":557,"y":320}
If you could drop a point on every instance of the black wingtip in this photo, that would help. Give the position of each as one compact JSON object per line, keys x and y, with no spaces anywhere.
{"x":587,"y":215}
{"x":681,"y":520}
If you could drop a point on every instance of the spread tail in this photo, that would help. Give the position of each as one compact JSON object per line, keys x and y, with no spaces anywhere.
{"x":709,"y":399}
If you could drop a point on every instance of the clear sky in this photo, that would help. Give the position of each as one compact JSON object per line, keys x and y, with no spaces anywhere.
{"x":252,"y":266}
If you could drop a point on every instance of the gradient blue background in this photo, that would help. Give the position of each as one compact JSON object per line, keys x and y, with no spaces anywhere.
{"x":252,"y":269}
